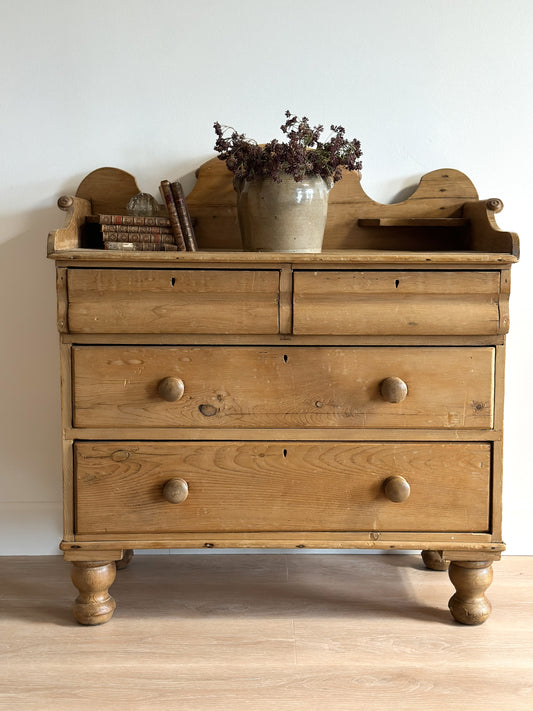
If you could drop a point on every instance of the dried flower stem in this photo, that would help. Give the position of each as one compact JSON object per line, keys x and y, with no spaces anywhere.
{"x":302,"y":154}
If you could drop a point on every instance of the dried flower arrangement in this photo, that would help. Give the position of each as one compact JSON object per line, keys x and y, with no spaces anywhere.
{"x":303,"y":153}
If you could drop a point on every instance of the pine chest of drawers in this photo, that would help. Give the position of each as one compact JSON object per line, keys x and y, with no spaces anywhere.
{"x":348,"y":399}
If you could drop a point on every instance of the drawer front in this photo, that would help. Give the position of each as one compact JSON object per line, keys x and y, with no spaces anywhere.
{"x":118,"y":387}
{"x":396,"y":303}
{"x":172,"y":301}
{"x":254,"y":487}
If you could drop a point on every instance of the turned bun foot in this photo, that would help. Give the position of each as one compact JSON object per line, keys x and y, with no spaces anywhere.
{"x":125,"y":560}
{"x":469,"y":604}
{"x":94,"y":605}
{"x":434,"y":561}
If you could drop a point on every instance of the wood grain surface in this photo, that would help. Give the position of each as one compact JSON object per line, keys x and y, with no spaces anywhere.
{"x":396,"y":302}
{"x":172,"y":301}
{"x":282,"y":387}
{"x":120,"y":487}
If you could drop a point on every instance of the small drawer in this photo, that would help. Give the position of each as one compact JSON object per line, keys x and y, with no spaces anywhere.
{"x":245,"y":387}
{"x":396,"y":303}
{"x":173,"y":301}
{"x":149,"y":487}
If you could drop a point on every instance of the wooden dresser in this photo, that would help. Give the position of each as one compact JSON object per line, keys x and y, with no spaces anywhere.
{"x":349,"y":399}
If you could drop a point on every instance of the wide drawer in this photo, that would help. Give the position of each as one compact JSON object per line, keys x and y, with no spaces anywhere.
{"x":236,"y":486}
{"x":119,"y":387}
{"x":396,"y":303}
{"x":173,"y":301}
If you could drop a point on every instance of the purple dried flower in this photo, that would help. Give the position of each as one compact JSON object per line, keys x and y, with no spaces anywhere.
{"x":302,"y":154}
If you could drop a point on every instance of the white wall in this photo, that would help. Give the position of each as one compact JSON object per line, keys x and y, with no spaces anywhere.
{"x":424,"y":84}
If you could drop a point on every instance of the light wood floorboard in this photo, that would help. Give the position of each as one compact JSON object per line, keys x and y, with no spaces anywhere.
{"x":283,"y":632}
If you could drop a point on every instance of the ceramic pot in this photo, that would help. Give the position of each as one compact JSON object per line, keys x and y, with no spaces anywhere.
{"x":288,"y":216}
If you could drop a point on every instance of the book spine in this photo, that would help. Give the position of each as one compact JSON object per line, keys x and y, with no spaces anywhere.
{"x":140,"y":246}
{"x":138,"y":237}
{"x":184,"y":216}
{"x":173,"y":215}
{"x":135,"y":229}
{"x":130,"y":220}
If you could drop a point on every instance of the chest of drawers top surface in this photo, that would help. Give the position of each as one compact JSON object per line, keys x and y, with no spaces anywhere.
{"x":442,"y":221}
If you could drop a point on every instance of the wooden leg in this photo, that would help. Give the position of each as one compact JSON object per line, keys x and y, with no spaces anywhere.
{"x":434,"y":561}
{"x":125,"y":560}
{"x":94,"y":605}
{"x":470,"y":578}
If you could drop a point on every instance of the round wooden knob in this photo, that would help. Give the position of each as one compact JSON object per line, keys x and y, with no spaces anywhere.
{"x":396,"y":489}
{"x":495,"y":204}
{"x":64,"y":202}
{"x":393,"y":389}
{"x":176,"y":491}
{"x":171,"y":389}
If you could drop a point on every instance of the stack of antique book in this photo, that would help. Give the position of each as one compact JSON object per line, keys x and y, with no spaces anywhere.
{"x":150,"y":233}
{"x":135,"y":232}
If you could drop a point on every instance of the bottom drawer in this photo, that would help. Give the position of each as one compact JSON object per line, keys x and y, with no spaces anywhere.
{"x":123,"y":487}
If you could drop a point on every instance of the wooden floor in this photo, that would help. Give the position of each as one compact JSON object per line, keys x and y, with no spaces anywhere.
{"x":281,"y":632}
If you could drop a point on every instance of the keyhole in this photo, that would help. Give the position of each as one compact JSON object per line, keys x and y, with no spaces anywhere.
{"x":172,"y":281}
{"x":285,"y":453}
{"x":285,"y":358}
{"x":397,"y":283}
